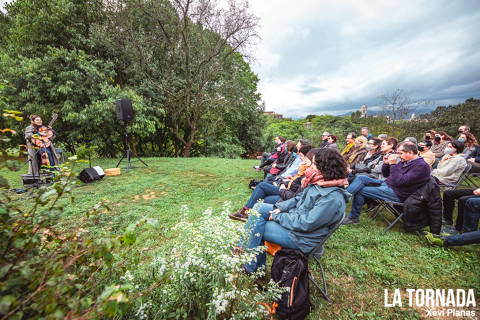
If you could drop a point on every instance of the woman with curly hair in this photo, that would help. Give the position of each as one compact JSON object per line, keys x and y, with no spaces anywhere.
{"x":303,"y":221}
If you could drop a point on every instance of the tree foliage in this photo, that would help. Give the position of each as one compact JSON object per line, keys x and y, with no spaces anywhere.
{"x":178,"y":61}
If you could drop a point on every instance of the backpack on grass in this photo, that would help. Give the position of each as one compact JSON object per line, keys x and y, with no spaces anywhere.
{"x":290,"y":269}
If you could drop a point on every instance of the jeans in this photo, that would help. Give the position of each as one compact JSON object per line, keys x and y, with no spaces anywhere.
{"x":264,"y":230}
{"x":449,"y":197}
{"x":360,"y":191}
{"x":49,"y":154}
{"x":264,"y":161}
{"x":263,"y":190}
{"x":360,"y":182}
{"x":462,"y":239}
{"x":471,"y":215}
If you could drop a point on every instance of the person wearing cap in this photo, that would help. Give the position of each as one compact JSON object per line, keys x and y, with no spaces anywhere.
{"x":325,"y":136}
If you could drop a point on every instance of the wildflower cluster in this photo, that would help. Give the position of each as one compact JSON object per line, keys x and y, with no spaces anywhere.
{"x":204,"y":278}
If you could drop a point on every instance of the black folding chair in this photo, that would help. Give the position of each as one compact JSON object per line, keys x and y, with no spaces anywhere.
{"x":393,"y":207}
{"x":317,"y":254}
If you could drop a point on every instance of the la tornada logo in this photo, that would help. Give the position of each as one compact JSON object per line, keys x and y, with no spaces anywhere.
{"x":437,"y":302}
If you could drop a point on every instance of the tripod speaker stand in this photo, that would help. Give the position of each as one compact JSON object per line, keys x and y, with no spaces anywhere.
{"x":125,"y":114}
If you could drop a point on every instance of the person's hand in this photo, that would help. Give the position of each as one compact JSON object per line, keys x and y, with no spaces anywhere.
{"x":282,"y":186}
{"x":349,"y":170}
{"x":392,"y":159}
{"x":289,"y":177}
{"x":271,"y":217}
{"x":274,"y":165}
{"x":471,"y":160}
{"x":276,"y":211}
{"x":476,"y":192}
{"x":446,"y":157}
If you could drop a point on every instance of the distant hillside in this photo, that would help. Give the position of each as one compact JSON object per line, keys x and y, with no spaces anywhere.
{"x":417,"y":112}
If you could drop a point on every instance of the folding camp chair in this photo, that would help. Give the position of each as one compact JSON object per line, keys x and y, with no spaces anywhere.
{"x":391,"y":207}
{"x":463,"y":178}
{"x":470,"y":179}
{"x":317,"y":254}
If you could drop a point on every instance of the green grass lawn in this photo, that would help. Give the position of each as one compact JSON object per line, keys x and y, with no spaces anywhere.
{"x":360,"y":261}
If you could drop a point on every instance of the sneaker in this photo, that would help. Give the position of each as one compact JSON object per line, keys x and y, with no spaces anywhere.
{"x":434,"y":240}
{"x":257,"y":168}
{"x":447,"y":229}
{"x":347,"y":220}
{"x":240,"y":215}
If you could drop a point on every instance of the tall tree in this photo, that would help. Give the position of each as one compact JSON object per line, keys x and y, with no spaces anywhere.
{"x":199,"y":37}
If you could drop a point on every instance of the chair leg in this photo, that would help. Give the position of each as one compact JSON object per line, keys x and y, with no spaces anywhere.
{"x":377,"y":210}
{"x":323,"y":290}
{"x":396,"y":213}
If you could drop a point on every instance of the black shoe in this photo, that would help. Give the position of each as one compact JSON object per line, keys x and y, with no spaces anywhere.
{"x":347,"y":220}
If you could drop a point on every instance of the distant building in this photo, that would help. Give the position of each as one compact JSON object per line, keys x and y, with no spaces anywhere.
{"x":363,"y":110}
{"x":273,"y":114}
{"x":308,"y":124}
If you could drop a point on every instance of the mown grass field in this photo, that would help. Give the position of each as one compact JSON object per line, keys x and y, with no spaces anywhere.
{"x":360,"y":261}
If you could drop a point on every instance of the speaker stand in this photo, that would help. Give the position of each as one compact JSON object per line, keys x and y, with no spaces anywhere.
{"x":127,"y":152}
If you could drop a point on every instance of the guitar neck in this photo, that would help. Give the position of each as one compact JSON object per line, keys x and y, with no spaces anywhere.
{"x":55,"y":116}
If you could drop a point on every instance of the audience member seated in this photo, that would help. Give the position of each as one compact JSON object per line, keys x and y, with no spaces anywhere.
{"x":440,"y":142}
{"x":425,"y":152}
{"x":474,"y":159}
{"x":290,"y":188}
{"x":271,"y":193}
{"x":452,"y":165}
{"x":282,"y":162}
{"x":449,"y":197}
{"x":269,"y":158}
{"x":358,"y":151}
{"x":332,"y":142}
{"x":291,"y":169}
{"x":366,"y":133}
{"x":347,"y":151}
{"x":472,"y":214}
{"x":403,"y":179}
{"x":470,"y":143}
{"x":303,"y":221}
{"x":371,"y":160}
{"x":325,"y":136}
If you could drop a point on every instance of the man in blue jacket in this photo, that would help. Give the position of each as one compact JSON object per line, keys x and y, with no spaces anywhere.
{"x":403,"y":179}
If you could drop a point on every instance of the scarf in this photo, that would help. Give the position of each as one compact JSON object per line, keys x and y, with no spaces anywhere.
{"x":301,"y":171}
{"x":347,"y":148}
{"x":315,"y":177}
{"x":355,"y":153}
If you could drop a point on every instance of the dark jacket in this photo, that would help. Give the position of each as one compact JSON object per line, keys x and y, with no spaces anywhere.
{"x":406,"y":178}
{"x":475,"y":155}
{"x":423,"y":208}
{"x":295,"y":188}
{"x":287,"y":161}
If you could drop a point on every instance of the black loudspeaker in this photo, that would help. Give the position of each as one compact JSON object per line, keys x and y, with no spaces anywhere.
{"x":91,"y":174}
{"x":124,"y":110}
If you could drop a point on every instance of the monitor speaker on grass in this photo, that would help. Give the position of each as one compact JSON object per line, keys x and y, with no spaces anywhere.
{"x":91,"y":174}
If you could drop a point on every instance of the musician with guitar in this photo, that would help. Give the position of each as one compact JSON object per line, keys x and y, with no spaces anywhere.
{"x":39,"y":138}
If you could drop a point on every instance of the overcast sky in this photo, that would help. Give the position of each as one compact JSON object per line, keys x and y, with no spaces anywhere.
{"x":330,"y":57}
